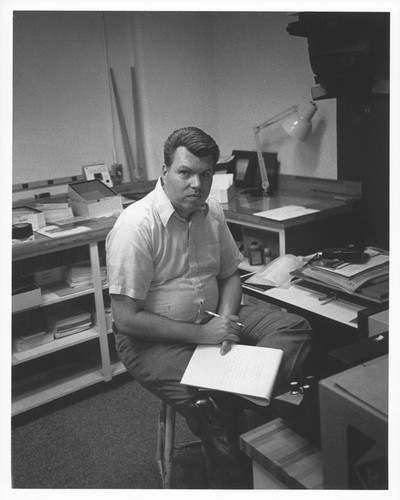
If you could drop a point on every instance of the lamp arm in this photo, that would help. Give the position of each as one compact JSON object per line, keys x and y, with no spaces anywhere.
{"x":257,"y":129}
{"x":261,"y":164}
{"x":275,"y":119}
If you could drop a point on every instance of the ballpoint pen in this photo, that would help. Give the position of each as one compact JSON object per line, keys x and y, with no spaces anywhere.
{"x":218,"y":316}
{"x":225,"y":344}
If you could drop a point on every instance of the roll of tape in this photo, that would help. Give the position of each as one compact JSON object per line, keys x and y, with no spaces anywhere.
{"x":22,"y":230}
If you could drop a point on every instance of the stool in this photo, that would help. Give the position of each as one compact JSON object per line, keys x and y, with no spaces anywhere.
{"x":166,"y":443}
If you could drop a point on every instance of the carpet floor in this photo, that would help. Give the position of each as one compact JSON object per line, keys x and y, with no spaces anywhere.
{"x":107,"y":440}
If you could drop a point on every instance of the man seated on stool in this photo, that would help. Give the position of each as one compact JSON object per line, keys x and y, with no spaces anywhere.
{"x":170,"y":258}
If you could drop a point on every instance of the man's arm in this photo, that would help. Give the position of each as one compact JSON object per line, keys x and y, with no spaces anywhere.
{"x":230,"y":294}
{"x":131,"y":319}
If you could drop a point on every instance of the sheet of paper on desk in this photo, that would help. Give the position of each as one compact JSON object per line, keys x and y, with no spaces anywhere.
{"x":57,"y":232}
{"x":284,"y":213}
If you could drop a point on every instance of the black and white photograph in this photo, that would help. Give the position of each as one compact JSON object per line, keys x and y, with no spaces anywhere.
{"x":203,"y":210}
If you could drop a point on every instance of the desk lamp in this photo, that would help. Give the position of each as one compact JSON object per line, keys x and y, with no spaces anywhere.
{"x":295,"y":124}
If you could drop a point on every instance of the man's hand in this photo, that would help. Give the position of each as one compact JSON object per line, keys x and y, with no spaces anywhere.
{"x":225,"y":347}
{"x":222,"y":330}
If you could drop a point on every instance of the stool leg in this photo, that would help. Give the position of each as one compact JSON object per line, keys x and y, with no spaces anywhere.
{"x":165,"y":443}
{"x":169,"y":446}
{"x":160,"y":439}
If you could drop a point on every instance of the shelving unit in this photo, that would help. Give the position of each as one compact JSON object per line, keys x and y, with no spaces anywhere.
{"x":54,"y":345}
{"x":40,"y":388}
{"x":49,"y":388}
{"x":50,"y":297}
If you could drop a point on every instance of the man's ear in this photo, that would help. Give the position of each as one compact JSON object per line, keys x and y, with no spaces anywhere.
{"x":164,"y":170}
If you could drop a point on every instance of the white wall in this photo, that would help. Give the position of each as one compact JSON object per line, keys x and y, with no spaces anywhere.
{"x":226,"y":72}
{"x":60,"y":115}
{"x":174,"y":54}
{"x":223,"y":72}
{"x":261,"y":71}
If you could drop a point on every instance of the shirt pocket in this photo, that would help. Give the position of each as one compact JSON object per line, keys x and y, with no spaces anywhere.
{"x":209,"y":258}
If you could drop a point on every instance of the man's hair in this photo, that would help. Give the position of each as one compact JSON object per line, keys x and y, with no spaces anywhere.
{"x":194,"y":140}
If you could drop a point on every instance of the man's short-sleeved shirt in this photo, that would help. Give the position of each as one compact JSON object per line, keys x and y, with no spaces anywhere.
{"x":168,"y":262}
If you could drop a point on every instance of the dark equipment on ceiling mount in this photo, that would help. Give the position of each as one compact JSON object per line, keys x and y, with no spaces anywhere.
{"x":348,"y":51}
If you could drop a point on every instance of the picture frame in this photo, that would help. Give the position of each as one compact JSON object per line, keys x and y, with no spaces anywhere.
{"x":244,"y":168}
{"x":98,"y":172}
{"x":246,"y":173}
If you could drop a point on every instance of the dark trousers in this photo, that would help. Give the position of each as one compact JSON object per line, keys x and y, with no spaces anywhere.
{"x":160,"y":367}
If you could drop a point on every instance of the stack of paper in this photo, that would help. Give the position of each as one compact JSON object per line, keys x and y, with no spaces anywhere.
{"x":68,"y":322}
{"x":81,"y":275}
{"x":30,"y":215}
{"x":349,"y":277}
{"x":55,"y":211}
{"x":32,"y":339}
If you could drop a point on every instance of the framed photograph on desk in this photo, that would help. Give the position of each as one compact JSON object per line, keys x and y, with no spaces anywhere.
{"x":246,"y":173}
{"x":245,"y":169}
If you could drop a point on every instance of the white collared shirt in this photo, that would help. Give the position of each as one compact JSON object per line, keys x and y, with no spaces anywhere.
{"x":169,"y":262}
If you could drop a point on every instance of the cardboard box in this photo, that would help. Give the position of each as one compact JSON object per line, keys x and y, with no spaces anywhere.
{"x":222,"y":187}
{"x":27,"y":299}
{"x":223,"y":195}
{"x":373,"y":319}
{"x":32,"y":340}
{"x":94,"y":199}
{"x":354,"y":427}
{"x":30,"y":215}
{"x":378,"y":323}
{"x":102,"y":208}
{"x":48,"y":276}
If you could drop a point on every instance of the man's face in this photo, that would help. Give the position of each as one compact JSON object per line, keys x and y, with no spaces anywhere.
{"x":187,"y":182}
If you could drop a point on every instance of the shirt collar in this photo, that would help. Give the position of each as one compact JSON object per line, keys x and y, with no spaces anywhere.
{"x":165,"y":208}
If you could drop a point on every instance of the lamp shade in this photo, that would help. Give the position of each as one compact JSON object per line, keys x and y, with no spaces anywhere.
{"x":297,"y":125}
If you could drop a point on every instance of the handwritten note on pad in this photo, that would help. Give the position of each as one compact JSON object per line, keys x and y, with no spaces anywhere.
{"x":248,"y":371}
{"x":284,"y":213}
